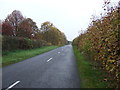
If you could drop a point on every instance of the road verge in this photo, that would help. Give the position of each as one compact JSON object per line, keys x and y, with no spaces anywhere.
{"x":90,"y":77}
{"x":20,"y":55}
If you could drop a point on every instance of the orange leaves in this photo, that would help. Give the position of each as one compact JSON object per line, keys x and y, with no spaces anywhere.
{"x":52,"y":34}
{"x":102,"y":41}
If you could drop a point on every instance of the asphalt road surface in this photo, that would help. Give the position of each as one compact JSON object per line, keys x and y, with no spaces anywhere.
{"x":54,"y":69}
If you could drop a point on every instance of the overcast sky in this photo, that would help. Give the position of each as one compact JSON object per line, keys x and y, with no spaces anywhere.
{"x":69,"y":16}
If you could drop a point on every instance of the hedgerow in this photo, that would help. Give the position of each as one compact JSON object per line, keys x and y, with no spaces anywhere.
{"x":101,"y":41}
{"x":10,"y":43}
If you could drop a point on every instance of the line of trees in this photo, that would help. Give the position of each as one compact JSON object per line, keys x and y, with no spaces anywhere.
{"x":101,"y":42}
{"x":19,"y":32}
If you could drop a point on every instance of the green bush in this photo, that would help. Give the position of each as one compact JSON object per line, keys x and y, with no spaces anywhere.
{"x":10,"y":43}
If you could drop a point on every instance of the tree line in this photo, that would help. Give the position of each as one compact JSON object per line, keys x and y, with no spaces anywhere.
{"x":101,"y":43}
{"x":19,"y":32}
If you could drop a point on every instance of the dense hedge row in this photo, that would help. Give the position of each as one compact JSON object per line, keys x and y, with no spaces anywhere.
{"x":12,"y":43}
{"x":101,"y":42}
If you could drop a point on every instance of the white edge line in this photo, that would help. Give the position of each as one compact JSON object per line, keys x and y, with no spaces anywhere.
{"x":12,"y":85}
{"x":49,"y":59}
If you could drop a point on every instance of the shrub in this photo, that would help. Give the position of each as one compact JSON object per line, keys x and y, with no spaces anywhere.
{"x":102,"y":42}
{"x":10,"y":43}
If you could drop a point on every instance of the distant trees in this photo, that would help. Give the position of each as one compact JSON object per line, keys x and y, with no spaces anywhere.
{"x":52,"y":35}
{"x":23,"y":33}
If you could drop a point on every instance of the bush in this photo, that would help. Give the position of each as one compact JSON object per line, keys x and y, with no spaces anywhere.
{"x":10,"y":43}
{"x":25,"y":43}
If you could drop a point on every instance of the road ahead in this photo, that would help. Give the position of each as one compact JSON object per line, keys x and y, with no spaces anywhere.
{"x":54,"y":69}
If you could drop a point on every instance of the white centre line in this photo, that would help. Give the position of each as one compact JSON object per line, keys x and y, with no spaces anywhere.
{"x":58,"y":52}
{"x":49,"y":59}
{"x":13,"y":85}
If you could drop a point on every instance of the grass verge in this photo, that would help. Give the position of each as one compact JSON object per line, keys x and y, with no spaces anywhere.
{"x":89,"y":76}
{"x":20,"y":55}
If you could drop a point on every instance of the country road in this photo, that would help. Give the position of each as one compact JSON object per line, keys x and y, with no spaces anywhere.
{"x":54,"y":69}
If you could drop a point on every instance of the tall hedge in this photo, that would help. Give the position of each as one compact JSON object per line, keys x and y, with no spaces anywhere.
{"x":102,"y":42}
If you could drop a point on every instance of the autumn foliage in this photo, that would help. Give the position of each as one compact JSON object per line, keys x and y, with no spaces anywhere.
{"x":19,"y":32}
{"x":101,"y":42}
{"x":7,"y":29}
{"x":52,"y":35}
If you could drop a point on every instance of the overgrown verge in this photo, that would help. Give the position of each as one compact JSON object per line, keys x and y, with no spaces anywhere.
{"x":11,"y":57}
{"x":90,"y":77}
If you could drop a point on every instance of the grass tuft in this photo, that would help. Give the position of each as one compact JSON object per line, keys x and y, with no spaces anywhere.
{"x":90,"y":77}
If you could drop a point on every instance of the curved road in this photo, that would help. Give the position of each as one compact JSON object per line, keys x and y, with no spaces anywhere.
{"x":54,"y":69}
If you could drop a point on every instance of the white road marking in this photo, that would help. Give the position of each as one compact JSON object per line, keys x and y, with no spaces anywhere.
{"x":13,"y":85}
{"x":49,"y":59}
{"x":58,"y":52}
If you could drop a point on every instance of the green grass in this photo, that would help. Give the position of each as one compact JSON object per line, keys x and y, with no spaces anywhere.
{"x":89,"y":76}
{"x":19,"y":55}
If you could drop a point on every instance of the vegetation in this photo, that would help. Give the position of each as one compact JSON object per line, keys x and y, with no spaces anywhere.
{"x":89,"y":76}
{"x":55,"y":36}
{"x":12,"y":43}
{"x":22,"y":39}
{"x":101,"y":43}
{"x":19,"y":32}
{"x":19,"y":55}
